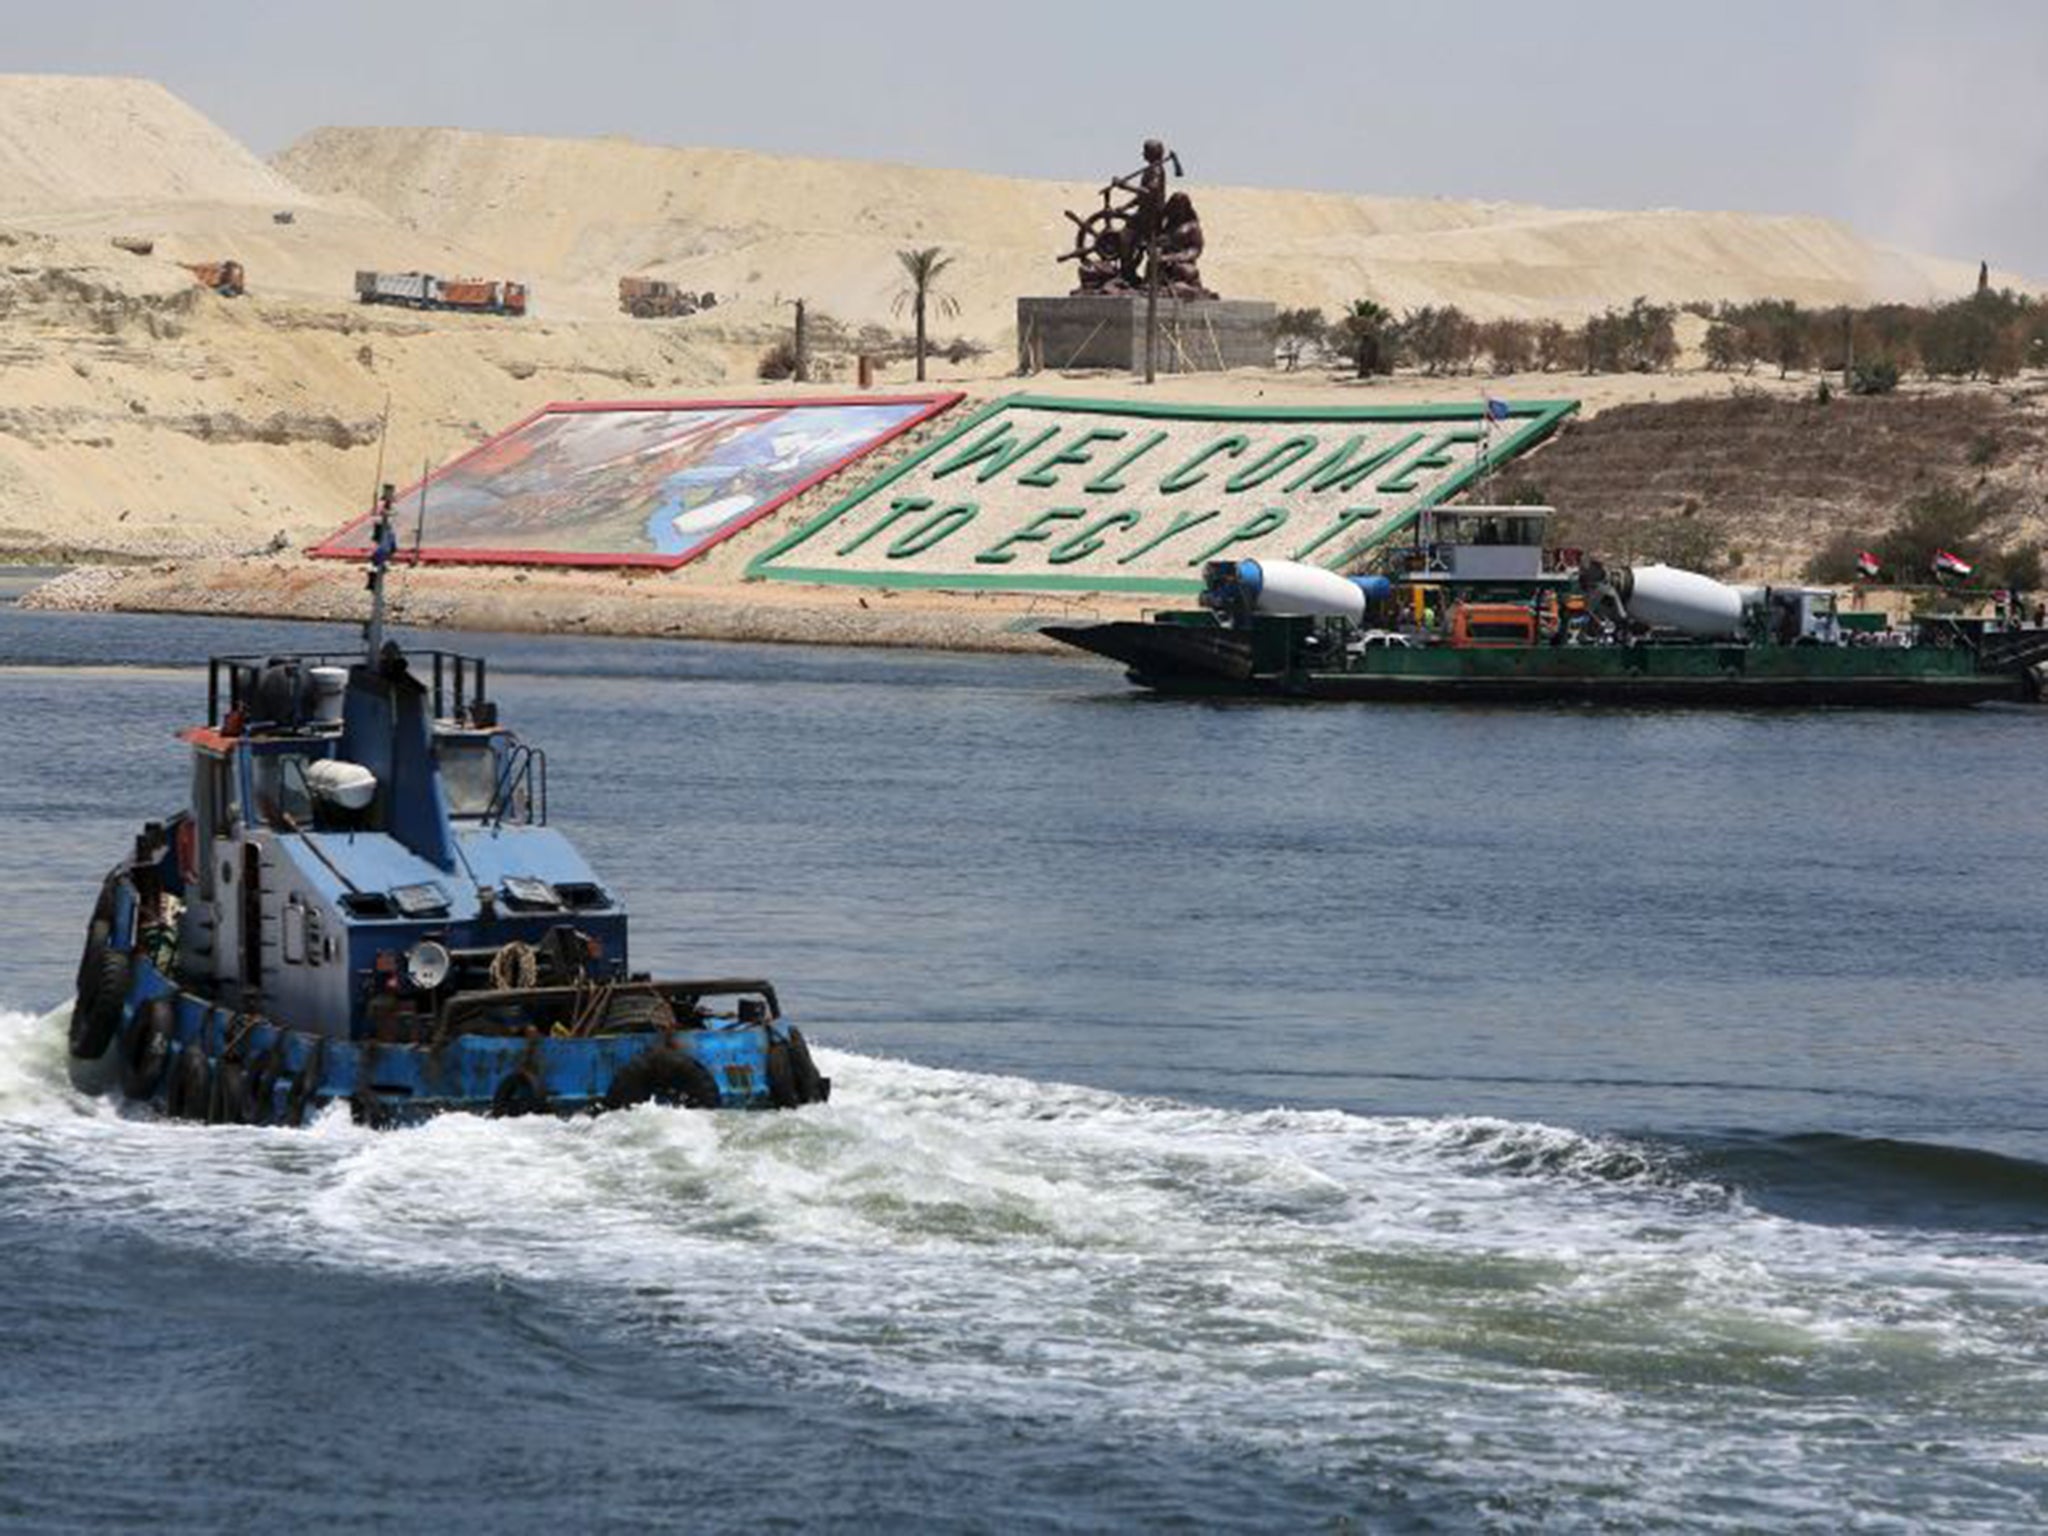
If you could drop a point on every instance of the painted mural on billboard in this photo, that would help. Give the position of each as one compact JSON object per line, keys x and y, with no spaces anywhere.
{"x":651,"y":484}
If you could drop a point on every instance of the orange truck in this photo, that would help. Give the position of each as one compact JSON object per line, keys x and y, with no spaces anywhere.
{"x":481,"y":293}
{"x":223,"y":277}
{"x":422,"y":290}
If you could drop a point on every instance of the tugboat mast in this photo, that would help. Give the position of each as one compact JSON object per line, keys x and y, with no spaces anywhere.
{"x":383,"y":545}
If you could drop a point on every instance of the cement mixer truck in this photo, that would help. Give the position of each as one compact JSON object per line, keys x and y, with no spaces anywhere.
{"x":1664,"y":597}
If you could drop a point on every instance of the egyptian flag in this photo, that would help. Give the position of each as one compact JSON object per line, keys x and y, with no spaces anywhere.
{"x":1868,"y":564}
{"x":1946,"y":564}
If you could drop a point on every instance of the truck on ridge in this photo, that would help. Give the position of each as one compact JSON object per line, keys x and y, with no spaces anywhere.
{"x":422,"y":290}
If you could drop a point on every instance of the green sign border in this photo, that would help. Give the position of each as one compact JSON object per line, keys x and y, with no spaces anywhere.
{"x":1536,"y":419}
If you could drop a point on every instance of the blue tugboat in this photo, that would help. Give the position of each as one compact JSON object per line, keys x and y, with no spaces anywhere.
{"x":364,"y":902}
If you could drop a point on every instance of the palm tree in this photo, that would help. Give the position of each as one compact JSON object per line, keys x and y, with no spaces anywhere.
{"x":921,"y":292}
{"x":1364,"y":326}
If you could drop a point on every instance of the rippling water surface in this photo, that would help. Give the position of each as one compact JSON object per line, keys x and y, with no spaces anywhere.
{"x":1245,"y":1117}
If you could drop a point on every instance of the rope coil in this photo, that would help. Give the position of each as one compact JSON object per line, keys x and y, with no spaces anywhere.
{"x":515,"y":967}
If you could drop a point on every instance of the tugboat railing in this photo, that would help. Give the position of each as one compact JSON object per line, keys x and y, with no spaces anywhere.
{"x":457,"y":682}
{"x":525,"y":767}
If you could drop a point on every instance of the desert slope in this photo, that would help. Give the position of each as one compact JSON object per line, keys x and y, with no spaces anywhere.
{"x":575,"y":213}
{"x":72,"y":140}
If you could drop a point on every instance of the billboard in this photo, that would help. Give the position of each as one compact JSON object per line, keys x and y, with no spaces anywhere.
{"x":1035,"y":493}
{"x":632,"y":484}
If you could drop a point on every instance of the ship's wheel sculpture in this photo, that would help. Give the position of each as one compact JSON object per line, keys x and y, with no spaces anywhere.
{"x":1138,"y":223}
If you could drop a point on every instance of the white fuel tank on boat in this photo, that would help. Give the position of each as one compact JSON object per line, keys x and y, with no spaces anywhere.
{"x":1665,"y":596}
{"x":348,"y":785}
{"x":1290,"y":588}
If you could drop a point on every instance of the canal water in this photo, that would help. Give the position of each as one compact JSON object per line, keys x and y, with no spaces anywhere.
{"x":1246,"y":1117}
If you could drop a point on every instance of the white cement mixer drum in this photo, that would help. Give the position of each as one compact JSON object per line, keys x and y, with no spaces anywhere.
{"x":1684,"y":600}
{"x":1287,"y":587}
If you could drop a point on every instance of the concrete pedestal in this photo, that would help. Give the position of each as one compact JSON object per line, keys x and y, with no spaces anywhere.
{"x":1108,"y":331}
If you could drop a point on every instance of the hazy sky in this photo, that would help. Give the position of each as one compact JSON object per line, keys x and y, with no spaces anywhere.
{"x":1922,"y":124}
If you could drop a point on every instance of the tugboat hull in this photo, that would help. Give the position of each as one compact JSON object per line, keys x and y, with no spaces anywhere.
{"x":195,"y":1059}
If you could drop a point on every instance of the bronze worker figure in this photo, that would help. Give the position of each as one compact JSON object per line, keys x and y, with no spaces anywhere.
{"x":1112,"y":244}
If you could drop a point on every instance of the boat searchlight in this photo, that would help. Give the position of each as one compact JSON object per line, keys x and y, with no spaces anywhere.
{"x":427,"y":964}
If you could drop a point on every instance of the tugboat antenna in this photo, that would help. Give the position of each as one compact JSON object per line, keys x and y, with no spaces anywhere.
{"x":383,"y":432}
{"x":384,"y":544}
{"x":419,"y":528}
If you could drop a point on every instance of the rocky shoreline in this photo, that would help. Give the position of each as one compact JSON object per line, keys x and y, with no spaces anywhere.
{"x":585,"y":603}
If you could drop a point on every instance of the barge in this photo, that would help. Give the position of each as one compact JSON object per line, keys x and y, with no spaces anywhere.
{"x":1481,"y":609}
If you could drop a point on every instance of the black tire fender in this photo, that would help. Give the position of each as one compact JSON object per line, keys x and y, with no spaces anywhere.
{"x":812,"y":1087}
{"x":299,"y":1099}
{"x":229,"y":1102}
{"x":97,"y":935}
{"x":96,"y":1015}
{"x":191,"y":1086}
{"x":782,"y":1085}
{"x":103,"y":904}
{"x":146,"y":1048}
{"x":260,"y":1102}
{"x":521,"y":1093}
{"x":663,"y":1075}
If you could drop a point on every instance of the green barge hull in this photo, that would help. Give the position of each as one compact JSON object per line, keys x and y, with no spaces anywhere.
{"x":1276,"y":658}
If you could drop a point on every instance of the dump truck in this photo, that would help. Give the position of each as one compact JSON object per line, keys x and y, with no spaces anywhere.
{"x":223,"y":277}
{"x":655,"y":298}
{"x":423,"y":290}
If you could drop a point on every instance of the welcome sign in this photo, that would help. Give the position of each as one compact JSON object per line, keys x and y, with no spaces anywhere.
{"x":1037,"y":493}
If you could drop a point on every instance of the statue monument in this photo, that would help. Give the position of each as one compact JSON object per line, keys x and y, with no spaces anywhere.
{"x":1138,"y":300}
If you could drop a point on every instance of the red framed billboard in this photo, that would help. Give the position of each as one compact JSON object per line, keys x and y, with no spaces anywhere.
{"x":653,"y":483}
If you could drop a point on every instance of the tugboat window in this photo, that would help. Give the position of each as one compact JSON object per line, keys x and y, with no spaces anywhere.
{"x":281,"y":791}
{"x":469,"y":775}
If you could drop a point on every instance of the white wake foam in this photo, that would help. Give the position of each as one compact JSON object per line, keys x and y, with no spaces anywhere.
{"x":1320,"y":1283}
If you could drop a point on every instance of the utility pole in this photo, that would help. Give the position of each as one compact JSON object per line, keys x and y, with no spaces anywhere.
{"x":1152,"y":303}
{"x":1150,"y":206}
{"x":1848,"y":346}
{"x":803,"y":347}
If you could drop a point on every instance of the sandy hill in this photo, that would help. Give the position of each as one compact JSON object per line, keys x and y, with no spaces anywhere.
{"x":141,"y":413}
{"x":69,"y":139}
{"x":576,"y":213}
{"x":89,"y":159}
